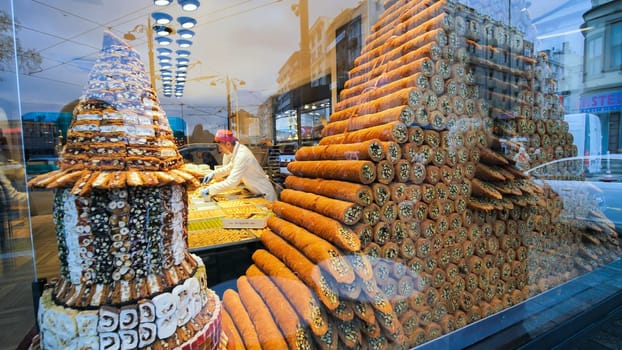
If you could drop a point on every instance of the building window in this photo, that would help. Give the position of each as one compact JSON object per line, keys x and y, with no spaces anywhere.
{"x":615,"y":45}
{"x":594,"y":55}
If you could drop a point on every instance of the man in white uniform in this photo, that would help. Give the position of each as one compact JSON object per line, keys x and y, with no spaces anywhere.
{"x":239,"y":167}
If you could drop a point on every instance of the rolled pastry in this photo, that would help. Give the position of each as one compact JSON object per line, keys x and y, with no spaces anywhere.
{"x":325,"y":227}
{"x":304,"y":267}
{"x":294,"y":289}
{"x":368,"y":150}
{"x":234,"y":339}
{"x":282,"y":308}
{"x":343,"y":190}
{"x":359,"y":171}
{"x":342,"y":211}
{"x":267,"y":330}
{"x":233,"y":306}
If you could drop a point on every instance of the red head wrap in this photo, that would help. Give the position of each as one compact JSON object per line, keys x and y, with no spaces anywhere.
{"x":225,"y":136}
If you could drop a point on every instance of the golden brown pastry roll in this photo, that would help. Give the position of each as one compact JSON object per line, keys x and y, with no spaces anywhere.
{"x":417,"y":172}
{"x":368,"y":150}
{"x":349,"y":333}
{"x":294,"y":289}
{"x":233,"y":305}
{"x":371,"y":214}
{"x":344,"y":311}
{"x":481,"y":188}
{"x":359,"y":171}
{"x":402,"y":170}
{"x":327,"y":228}
{"x":66,"y":179}
{"x":343,"y":190}
{"x":309,"y":248}
{"x":392,"y":150}
{"x":486,"y":173}
{"x":234,"y":339}
{"x":393,"y":131}
{"x":285,"y":315}
{"x":44,"y":179}
{"x":342,"y":211}
{"x":268,"y":332}
{"x":385,"y":172}
{"x":381,"y":193}
{"x":403,"y":114}
{"x":361,"y":265}
{"x":381,"y":233}
{"x":330,"y":339}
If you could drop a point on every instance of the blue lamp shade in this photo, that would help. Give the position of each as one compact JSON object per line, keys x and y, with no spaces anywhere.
{"x":182,"y":60}
{"x":184,"y":43}
{"x":183,"y":53}
{"x":187,"y":22}
{"x":165,"y":72}
{"x":162,"y":2}
{"x":162,"y":30}
{"x":189,"y":5}
{"x":162,"y":18}
{"x":182,"y":67}
{"x":165,"y":58}
{"x":162,"y":40}
{"x":163,"y":51}
{"x":165,"y":65}
{"x":185,"y":33}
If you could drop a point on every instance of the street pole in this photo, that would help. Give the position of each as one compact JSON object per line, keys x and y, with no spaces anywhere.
{"x":227,"y":82}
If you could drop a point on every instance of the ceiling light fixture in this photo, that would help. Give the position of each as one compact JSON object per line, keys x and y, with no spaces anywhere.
{"x":162,"y":40}
{"x":165,"y":72}
{"x":185,"y":33}
{"x":162,"y":2}
{"x":184,"y":43}
{"x":165,"y":59}
{"x":181,"y":60}
{"x":183,"y":53}
{"x":165,"y":65}
{"x":162,"y":18}
{"x":189,"y":5}
{"x":163,"y":51}
{"x":187,"y":22}
{"x":162,"y":30}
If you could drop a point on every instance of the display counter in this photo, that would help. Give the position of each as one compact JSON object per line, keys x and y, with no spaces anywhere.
{"x":225,"y":231}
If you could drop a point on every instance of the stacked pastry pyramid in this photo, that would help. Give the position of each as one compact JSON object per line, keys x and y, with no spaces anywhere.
{"x":409,"y":219}
{"x":120,"y":212}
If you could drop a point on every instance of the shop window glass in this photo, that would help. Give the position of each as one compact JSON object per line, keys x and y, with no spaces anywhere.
{"x":594,"y":56}
{"x":286,"y":126}
{"x":615,"y":46}
{"x":312,"y":118}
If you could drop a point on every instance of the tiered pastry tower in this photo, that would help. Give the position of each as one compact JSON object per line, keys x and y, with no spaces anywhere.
{"x":120,"y":214}
{"x":410,"y":219}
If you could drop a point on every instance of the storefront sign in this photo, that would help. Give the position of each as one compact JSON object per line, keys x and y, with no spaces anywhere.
{"x":601,"y":102}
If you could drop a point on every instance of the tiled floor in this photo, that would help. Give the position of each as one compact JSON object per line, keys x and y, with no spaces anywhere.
{"x":585,"y":313}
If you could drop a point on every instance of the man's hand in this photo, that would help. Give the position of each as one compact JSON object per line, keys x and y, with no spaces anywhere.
{"x":205,"y":194}
{"x":208,"y":177}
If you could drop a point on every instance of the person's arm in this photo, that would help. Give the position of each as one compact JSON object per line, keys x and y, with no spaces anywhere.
{"x":238,"y":167}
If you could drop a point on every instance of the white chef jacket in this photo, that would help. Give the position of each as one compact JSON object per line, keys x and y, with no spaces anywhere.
{"x":241,"y":166}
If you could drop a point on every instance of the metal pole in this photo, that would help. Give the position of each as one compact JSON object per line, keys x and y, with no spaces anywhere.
{"x":151,"y":59}
{"x":228,"y":102}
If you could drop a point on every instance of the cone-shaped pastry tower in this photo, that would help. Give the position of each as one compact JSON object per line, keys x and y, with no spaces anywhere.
{"x":120,"y":214}
{"x":410,"y":219}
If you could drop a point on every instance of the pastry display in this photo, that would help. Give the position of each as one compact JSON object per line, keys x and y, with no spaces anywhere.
{"x":120,"y":211}
{"x":450,"y":230}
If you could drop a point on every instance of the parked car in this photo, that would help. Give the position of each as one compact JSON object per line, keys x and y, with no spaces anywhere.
{"x":587,"y":185}
{"x":36,"y":165}
{"x":201,"y":153}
